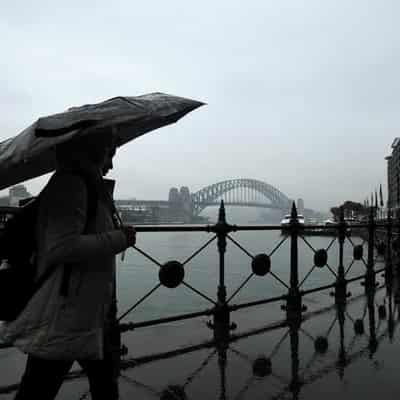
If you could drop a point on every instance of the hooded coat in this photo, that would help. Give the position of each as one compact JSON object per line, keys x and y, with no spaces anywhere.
{"x":72,"y":325}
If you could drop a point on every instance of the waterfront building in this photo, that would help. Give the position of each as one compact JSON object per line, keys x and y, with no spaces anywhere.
{"x":393,"y":175}
{"x":300,"y":206}
{"x":174,"y":197}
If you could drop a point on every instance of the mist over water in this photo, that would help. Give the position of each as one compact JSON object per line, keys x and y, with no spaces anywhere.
{"x":245,"y":215}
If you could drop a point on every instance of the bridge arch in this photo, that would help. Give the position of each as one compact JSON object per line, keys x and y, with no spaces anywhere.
{"x":210,"y":194}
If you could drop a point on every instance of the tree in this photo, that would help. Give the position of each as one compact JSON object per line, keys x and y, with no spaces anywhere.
{"x":350,"y":209}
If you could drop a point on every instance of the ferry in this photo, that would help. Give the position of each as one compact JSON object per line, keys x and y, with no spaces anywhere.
{"x":286,"y":221}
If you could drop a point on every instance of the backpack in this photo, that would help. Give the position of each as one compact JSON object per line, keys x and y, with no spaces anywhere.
{"x":18,"y":281}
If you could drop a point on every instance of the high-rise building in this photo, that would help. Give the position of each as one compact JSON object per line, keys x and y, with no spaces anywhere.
{"x":300,"y":206}
{"x":393,"y":175}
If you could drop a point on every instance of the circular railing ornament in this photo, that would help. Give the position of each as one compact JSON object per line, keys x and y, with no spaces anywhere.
{"x":261,"y":264}
{"x":320,"y":258}
{"x":171,"y":274}
{"x":359,"y":327}
{"x":173,"y":392}
{"x":321,"y":345}
{"x":262,"y":367}
{"x":358,"y":252}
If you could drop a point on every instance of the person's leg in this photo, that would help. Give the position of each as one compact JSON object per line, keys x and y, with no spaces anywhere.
{"x":42,"y":379}
{"x":103,"y":383}
{"x":103,"y":374}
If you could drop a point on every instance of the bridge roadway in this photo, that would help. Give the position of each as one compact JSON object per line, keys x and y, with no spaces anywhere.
{"x":168,"y":204}
{"x":166,"y":212}
{"x":144,"y":203}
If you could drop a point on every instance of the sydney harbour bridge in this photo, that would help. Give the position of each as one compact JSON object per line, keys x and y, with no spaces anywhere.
{"x":184,"y":206}
{"x":240,"y":192}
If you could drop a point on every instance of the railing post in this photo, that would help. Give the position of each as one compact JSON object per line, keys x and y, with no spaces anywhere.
{"x":221,"y":315}
{"x":114,"y":335}
{"x":222,"y":232}
{"x":293,"y":305}
{"x":370,"y":275}
{"x":340,"y":288}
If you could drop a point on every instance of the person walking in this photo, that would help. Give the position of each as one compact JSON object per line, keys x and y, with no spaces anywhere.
{"x":72,"y":316}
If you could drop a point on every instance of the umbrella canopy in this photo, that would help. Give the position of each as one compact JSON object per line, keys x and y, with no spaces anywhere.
{"x":32,"y":153}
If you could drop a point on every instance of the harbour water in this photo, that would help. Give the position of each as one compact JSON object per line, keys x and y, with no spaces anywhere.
{"x":346,"y":364}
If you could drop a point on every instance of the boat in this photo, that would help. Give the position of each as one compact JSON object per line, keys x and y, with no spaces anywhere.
{"x":285,"y":223}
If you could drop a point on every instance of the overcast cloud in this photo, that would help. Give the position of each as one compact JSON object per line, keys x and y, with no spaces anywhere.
{"x":303,"y":95}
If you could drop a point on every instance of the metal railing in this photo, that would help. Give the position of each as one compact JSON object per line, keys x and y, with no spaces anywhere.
{"x":381,"y":238}
{"x":368,"y":332}
{"x":172,"y":273}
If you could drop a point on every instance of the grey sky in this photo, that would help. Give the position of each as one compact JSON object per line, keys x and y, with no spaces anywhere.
{"x":301,"y":94}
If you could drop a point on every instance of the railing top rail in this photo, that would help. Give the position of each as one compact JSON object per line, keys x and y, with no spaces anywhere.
{"x":248,"y":227}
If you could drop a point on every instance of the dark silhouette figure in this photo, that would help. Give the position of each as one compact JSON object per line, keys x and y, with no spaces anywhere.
{"x":72,"y":316}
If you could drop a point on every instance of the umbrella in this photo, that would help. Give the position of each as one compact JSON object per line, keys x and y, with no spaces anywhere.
{"x":32,"y":152}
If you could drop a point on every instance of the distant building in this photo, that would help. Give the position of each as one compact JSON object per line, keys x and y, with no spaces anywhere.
{"x":180,"y":202}
{"x":174,"y":197}
{"x":18,"y":193}
{"x":393,"y":175}
{"x":300,"y":206}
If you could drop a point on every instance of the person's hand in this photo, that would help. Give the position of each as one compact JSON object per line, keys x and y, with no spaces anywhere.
{"x":130,"y":234}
